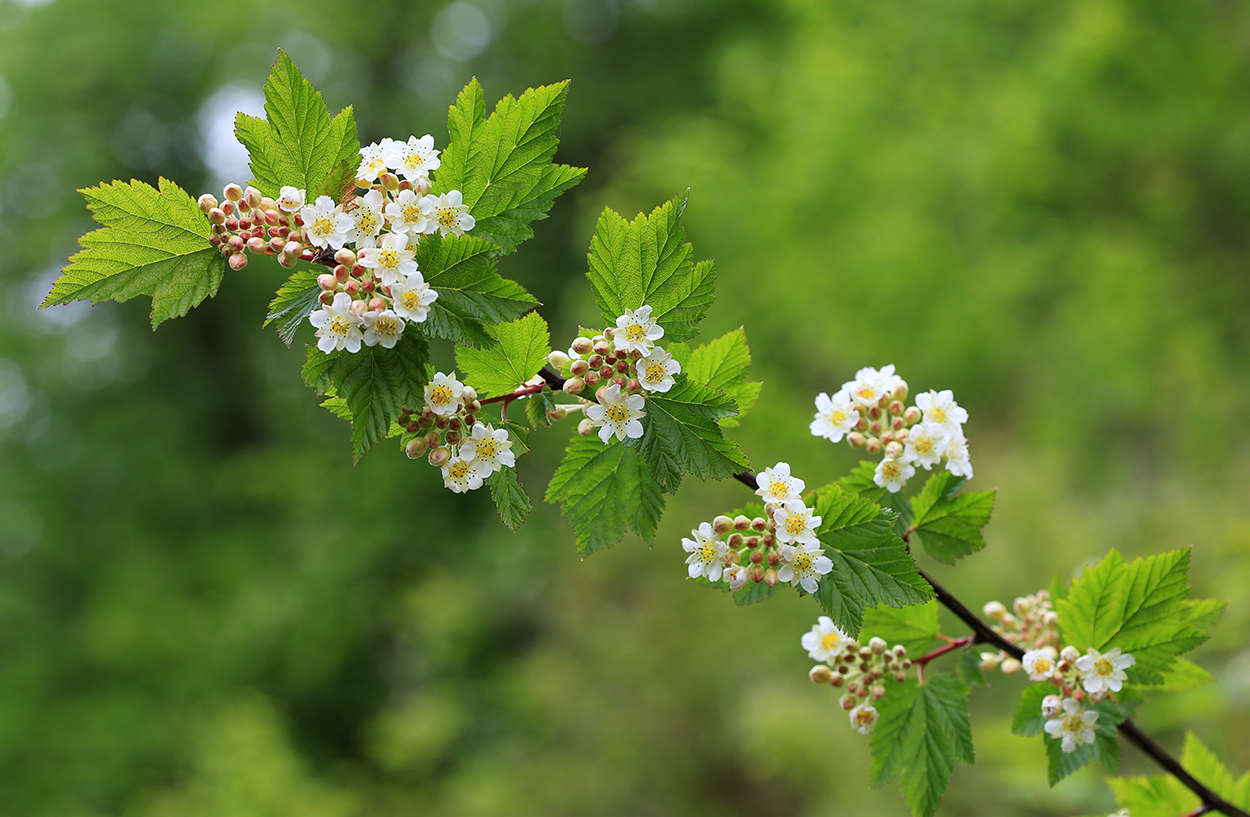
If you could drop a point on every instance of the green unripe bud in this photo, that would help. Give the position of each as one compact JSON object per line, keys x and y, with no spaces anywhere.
{"x":586,"y":427}
{"x":820,"y":674}
{"x":722,"y":524}
{"x":558,"y":360}
{"x":911,"y":416}
{"x":583,"y":346}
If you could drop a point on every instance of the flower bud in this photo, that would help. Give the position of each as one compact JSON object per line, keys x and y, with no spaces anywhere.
{"x":618,"y":381}
{"x":453,"y":437}
{"x":206,"y":202}
{"x":558,"y":360}
{"x":586,"y":427}
{"x":877,"y":645}
{"x":856,"y":439}
{"x":605,"y":370}
{"x":558,"y":413}
{"x":900,"y":391}
{"x":722,"y":524}
{"x":440,"y":456}
{"x":1070,"y":654}
{"x":582,"y":346}
{"x":899,"y":651}
{"x":594,"y":361}
{"x":820,"y":674}
{"x":610,"y":360}
{"x":235,"y":243}
{"x":874,"y":413}
{"x":911,"y":416}
{"x":848,"y":702}
{"x":901,"y":435}
{"x":622,"y":366}
{"x":897,"y":424}
{"x":896,"y":407}
{"x":216,"y":216}
{"x":233,"y":192}
{"x":256,"y":245}
{"x":292,"y":248}
{"x":741,"y":522}
{"x":770,"y":577}
{"x":731,"y":558}
{"x":736,"y":540}
{"x":238,"y":261}
{"x":774,"y":558}
{"x":351,"y":287}
{"x":326,"y":298}
{"x":389,"y":181}
{"x":1010,"y":666}
{"x":874,"y":445}
{"x":768,"y":539}
{"x":253,"y":197}
{"x":415,"y":448}
{"x":632,"y":384}
{"x":757,"y":557}
{"x":376,"y":304}
{"x":227,"y":207}
{"x":433,"y":439}
{"x":875,"y":427}
{"x":878,"y":692}
{"x":421,"y":186}
{"x":592,"y":379}
{"x":603,"y":349}
{"x":327,"y":282}
{"x":994,"y":610}
{"x":579,"y":367}
{"x":894,"y":450}
{"x":574,"y":385}
{"x":1052,"y":705}
{"x":469,"y":421}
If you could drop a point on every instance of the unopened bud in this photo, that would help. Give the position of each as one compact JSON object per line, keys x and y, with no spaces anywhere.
{"x":878,"y":692}
{"x":558,"y":413}
{"x":216,"y":216}
{"x":235,"y":243}
{"x":586,"y":427}
{"x":900,"y":391}
{"x":896,"y":407}
{"x":207,"y":202}
{"x":837,"y":680}
{"x":603,"y":349}
{"x":327,"y":282}
{"x":227,"y":207}
{"x":574,"y":385}
{"x":253,"y":197}
{"x":440,"y":456}
{"x":887,"y":437}
{"x":594,"y":361}
{"x":376,"y":305}
{"x":238,"y":261}
{"x":351,"y":287}
{"x":1070,"y":654}
{"x":292,"y":248}
{"x":874,"y":445}
{"x":753,"y":542}
{"x":848,"y":702}
{"x":874,"y":413}
{"x":341,"y":273}
{"x":902,"y":434}
{"x":875,"y":427}
{"x":736,"y":540}
{"x":558,"y":360}
{"x":606,"y":371}
{"x":994,"y":610}
{"x":893,"y":450}
{"x":897,"y":424}
{"x":1010,"y":666}
{"x":610,"y":360}
{"x":820,"y":674}
{"x":233,"y":192}
{"x":632,"y":384}
{"x":990,"y":660}
{"x":768,"y":539}
{"x":899,"y":651}
{"x":345,"y":257}
{"x":256,"y":245}
{"x":770,"y":577}
{"x":421,"y":186}
{"x":440,"y":421}
{"x":1052,"y":705}
{"x":911,"y":416}
{"x":742,"y":523}
{"x":326,"y":298}
{"x":453,"y":437}
{"x":579,"y":368}
{"x":774,"y":558}
{"x":389,"y":181}
{"x":432,"y":439}
{"x":900,"y":677}
{"x":582,"y":346}
{"x":416,"y":447}
{"x":757,"y":557}
{"x":759,"y":524}
{"x":592,"y":379}
{"x":468,"y":394}
{"x":856,"y":439}
{"x":722,"y":524}
{"x":877,"y":645}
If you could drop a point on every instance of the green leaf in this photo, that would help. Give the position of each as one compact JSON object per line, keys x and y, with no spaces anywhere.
{"x":502,"y":164}
{"x":470,"y":291}
{"x":1028,"y":721}
{"x":647,"y":261}
{"x":1165,"y":796}
{"x":510,"y":498}
{"x":923,"y":730}
{"x":520,"y":350}
{"x":860,"y":481}
{"x":375,"y":383}
{"x":914,"y":626}
{"x":151,"y":242}
{"x":681,"y":435}
{"x":294,"y":301}
{"x":536,"y":408}
{"x":1185,"y":675}
{"x":1105,"y":749}
{"x":605,"y":490}
{"x":722,"y":364}
{"x":1140,"y":607}
{"x":871,"y":565}
{"x":298,"y":144}
{"x":338,"y":407}
{"x":969,"y":667}
{"x":949,"y":523}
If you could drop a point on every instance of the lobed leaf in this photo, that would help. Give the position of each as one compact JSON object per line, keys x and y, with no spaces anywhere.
{"x":914,"y":626}
{"x":295,"y":299}
{"x":681,"y":435}
{"x":520,"y":350}
{"x":722,"y":364}
{"x":471,"y":292}
{"x":1165,"y":796}
{"x":860,"y":481}
{"x":604,"y":491}
{"x":947,"y":523}
{"x":510,"y":498}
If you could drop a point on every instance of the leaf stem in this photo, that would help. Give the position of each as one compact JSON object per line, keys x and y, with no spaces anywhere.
{"x":944,"y":649}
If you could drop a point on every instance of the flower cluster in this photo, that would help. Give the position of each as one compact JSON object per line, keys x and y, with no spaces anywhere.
{"x":246,"y":221}
{"x":870,"y":413}
{"x":863,"y":671}
{"x":467,"y":451}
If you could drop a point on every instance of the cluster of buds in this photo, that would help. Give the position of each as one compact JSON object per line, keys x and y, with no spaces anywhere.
{"x":622,"y":365}
{"x":1033,"y":627}
{"x":871,"y":413}
{"x":862,"y":671}
{"x":245,"y":221}
{"x":448,"y":433}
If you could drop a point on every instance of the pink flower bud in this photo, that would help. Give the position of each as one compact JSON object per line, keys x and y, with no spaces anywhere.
{"x":341,"y":273}
{"x":227,"y":207}
{"x":439,"y":456}
{"x":327,"y":282}
{"x":574,"y":385}
{"x":582,"y":346}
{"x":238,"y":261}
{"x":421,"y":186}
{"x":389,"y":181}
{"x":585,"y":427}
{"x":206,"y":202}
{"x":326,"y":298}
{"x":292,"y":248}
{"x":579,"y":367}
{"x":233,"y":192}
{"x":359,"y":309}
{"x":592,"y":379}
{"x":770,"y":577}
{"x":415,"y":448}
{"x":558,"y":413}
{"x":377,"y":305}
{"x":345,"y":257}
{"x":256,"y":245}
{"x":602,"y":348}
{"x":216,"y":216}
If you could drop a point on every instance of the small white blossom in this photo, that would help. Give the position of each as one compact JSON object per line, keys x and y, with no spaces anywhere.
{"x":1040,"y":664}
{"x":804,"y":564}
{"x":706,"y":551}
{"x":825,"y":641}
{"x":893,"y":474}
{"x":325,"y":223}
{"x":373,"y":160}
{"x":411,"y":298}
{"x":776,"y":485}
{"x":926,"y":443}
{"x":957,"y":461}
{"x":337,"y":326}
{"x":408,"y":215}
{"x":795,"y":523}
{"x":383,"y":328}
{"x":290,"y":199}
{"x":391,"y":262}
{"x":450,"y":213}
{"x":870,"y":385}
{"x":1074,"y":726}
{"x":835,"y":417}
{"x":1104,"y":672}
{"x":460,"y":476}
{"x":1052,"y":705}
{"x":415,"y":158}
{"x":736,"y":576}
{"x":940,"y":407}
{"x":369,"y":218}
{"x":490,"y":449}
{"x":442,"y":394}
{"x":618,"y":414}
{"x":864,"y":718}
{"x":656,"y":370}
{"x":636,"y":331}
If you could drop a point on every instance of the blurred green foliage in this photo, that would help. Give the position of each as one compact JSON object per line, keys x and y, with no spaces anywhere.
{"x":206,"y":610}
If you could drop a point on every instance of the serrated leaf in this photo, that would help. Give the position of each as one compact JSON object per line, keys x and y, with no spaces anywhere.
{"x":502,"y":164}
{"x":871,"y":565}
{"x":947,"y":523}
{"x":151,"y":242}
{"x":923,"y":730}
{"x":722,"y":364}
{"x":520,"y":350}
{"x":510,"y":498}
{"x":1165,"y":796}
{"x":1185,"y":675}
{"x":605,"y":490}
{"x":969,"y":668}
{"x":1028,"y":721}
{"x":647,"y":261}
{"x":338,"y":407}
{"x":681,"y":435}
{"x":293,"y":302}
{"x":914,"y":626}
{"x":471,"y":292}
{"x":297,"y":144}
{"x":536,"y":408}
{"x":860,"y":481}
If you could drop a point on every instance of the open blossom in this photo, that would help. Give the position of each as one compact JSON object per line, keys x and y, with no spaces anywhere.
{"x":489,"y":449}
{"x":864,"y":718}
{"x":1040,"y":664}
{"x":460,"y":476}
{"x":893,"y":474}
{"x":369,"y":218}
{"x":373,"y":160}
{"x":870,"y":385}
{"x":940,"y":407}
{"x":391,"y":261}
{"x":656,"y":370}
{"x":706,"y":551}
{"x":736,"y":576}
{"x":1104,"y":672}
{"x":290,"y":199}
{"x":636,"y":331}
{"x":825,"y":641}
{"x":795,"y":523}
{"x":442,"y":394}
{"x":408,"y":215}
{"x":337,"y":326}
{"x":411,"y":298}
{"x":926,"y":443}
{"x":325,"y":223}
{"x":957,"y":461}
{"x":450,"y":213}
{"x":1074,"y":726}
{"x":835,"y":416}
{"x":618,"y":414}
{"x":804,"y":564}
{"x":414,"y":158}
{"x":383,"y":328}
{"x":776,"y":485}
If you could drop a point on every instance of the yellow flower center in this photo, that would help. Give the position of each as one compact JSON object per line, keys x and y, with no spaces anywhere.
{"x":340,"y":325}
{"x":323,"y":226}
{"x":1103,"y":667}
{"x":890,"y":470}
{"x":866,"y":393}
{"x":634,"y":333}
{"x":837,"y":418}
{"x":368,"y":221}
{"x":830,"y":641}
{"x":458,"y":469}
{"x":616,"y":413}
{"x":414,"y":161}
{"x":411,"y":299}
{"x":1074,"y":723}
{"x":487,"y":448}
{"x":1042,"y":666}
{"x":923,"y":445}
{"x":388,"y":258}
{"x":440,"y":395}
{"x":655,"y":372}
{"x":446,"y":217}
{"x":779,"y":489}
{"x":708,"y":552}
{"x":412,"y":214}
{"x":802,"y":562}
{"x":795,"y":524}
{"x":938,"y":415}
{"x":386,"y":325}
{"x":863,"y":718}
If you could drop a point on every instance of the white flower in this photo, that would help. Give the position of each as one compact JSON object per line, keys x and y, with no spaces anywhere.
{"x":893,"y":474}
{"x":825,"y":641}
{"x":460,"y":476}
{"x":940,"y":407}
{"x":408,"y":215}
{"x":383,"y":328}
{"x":776,"y":485}
{"x":1102,"y":672}
{"x":392,"y":261}
{"x":706,"y":551}
{"x":290,"y":199}
{"x":795,"y":522}
{"x":835,"y":417}
{"x":804,"y":564}
{"x":957,"y":461}
{"x":1040,"y":664}
{"x":442,"y":394}
{"x":450,"y":213}
{"x":618,"y":414}
{"x":326,"y":223}
{"x":926,"y":443}
{"x":1074,"y":726}
{"x":736,"y":576}
{"x":368,"y":218}
{"x":870,"y":385}
{"x":336,"y":325}
{"x":414,"y":158}
{"x":412,"y":297}
{"x":656,"y":370}
{"x":637,"y":331}
{"x":373,"y":160}
{"x":1052,"y":705}
{"x":864,"y":718}
{"x":490,"y":449}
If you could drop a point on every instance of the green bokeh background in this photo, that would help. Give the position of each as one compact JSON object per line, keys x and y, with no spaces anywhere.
{"x":206,"y":610}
